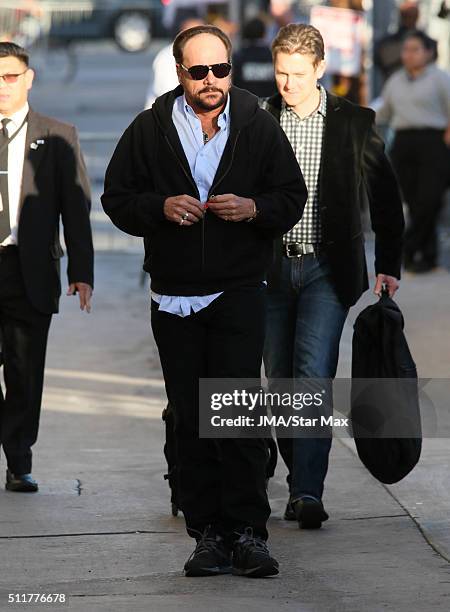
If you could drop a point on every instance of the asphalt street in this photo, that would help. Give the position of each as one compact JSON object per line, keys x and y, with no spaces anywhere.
{"x":100,"y":530}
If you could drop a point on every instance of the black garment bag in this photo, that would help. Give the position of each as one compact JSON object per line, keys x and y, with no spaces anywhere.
{"x":385,"y":414}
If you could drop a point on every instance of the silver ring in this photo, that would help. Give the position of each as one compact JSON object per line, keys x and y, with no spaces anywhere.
{"x":185,"y":216}
{"x":182,"y":221}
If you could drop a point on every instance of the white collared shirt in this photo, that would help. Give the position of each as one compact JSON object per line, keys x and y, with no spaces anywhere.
{"x":16,"y":156}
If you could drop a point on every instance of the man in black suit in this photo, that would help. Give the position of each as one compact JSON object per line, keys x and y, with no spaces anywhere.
{"x":42,"y":179}
{"x":320,"y":267}
{"x":252,"y":64}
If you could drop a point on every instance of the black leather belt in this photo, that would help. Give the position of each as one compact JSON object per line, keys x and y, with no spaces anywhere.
{"x":298,"y":249}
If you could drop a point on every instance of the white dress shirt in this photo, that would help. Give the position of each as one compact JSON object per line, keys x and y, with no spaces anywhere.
{"x":16,"y":156}
{"x":164,"y":75}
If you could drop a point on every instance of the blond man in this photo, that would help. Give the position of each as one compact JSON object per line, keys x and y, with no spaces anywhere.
{"x":320,"y":268}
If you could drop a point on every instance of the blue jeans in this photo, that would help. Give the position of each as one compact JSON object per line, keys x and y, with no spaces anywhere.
{"x":305,"y":320}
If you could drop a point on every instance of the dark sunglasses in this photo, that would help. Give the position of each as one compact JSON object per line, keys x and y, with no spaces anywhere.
{"x":198,"y":73}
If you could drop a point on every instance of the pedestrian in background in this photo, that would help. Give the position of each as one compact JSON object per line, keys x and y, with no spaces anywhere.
{"x":416,"y":104}
{"x":252,"y":64}
{"x":209,"y":179}
{"x":388,"y":49}
{"x":164,"y":69}
{"x":42,"y":180}
{"x":320,"y":269}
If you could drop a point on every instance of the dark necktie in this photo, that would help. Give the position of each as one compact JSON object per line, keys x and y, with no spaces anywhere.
{"x":5,"y":228}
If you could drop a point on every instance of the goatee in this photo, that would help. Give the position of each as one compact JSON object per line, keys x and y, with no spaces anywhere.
{"x":204,"y":104}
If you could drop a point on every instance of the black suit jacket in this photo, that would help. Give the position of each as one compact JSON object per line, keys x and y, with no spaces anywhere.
{"x":354,"y":167}
{"x":54,"y":186}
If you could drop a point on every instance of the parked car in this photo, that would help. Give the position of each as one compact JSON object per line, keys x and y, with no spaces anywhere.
{"x":132,"y":24}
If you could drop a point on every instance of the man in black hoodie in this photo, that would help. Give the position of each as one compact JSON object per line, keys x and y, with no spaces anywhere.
{"x":209,"y":179}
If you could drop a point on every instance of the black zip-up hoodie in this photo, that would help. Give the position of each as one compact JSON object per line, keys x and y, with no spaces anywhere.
{"x":212,"y":255}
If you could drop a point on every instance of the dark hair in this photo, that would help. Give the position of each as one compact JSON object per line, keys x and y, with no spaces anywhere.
{"x":10,"y":49}
{"x":428,"y":43}
{"x":408,"y":14}
{"x":183,"y":37}
{"x":254,"y":29}
{"x":183,"y":14}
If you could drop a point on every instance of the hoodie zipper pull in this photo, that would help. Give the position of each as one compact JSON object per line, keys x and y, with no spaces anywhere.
{"x":205,"y":206}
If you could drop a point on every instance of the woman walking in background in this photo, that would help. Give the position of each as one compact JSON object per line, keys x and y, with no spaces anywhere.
{"x":416,"y":104}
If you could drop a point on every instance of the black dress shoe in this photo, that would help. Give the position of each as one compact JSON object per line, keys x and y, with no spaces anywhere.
{"x":289,"y":513}
{"x":20,"y":483}
{"x":421,"y":267}
{"x":309,"y":513}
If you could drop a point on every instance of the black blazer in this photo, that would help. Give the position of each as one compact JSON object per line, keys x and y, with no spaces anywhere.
{"x":354,"y":167}
{"x":54,"y":186}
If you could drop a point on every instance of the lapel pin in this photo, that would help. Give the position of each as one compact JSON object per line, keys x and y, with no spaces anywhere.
{"x":34,"y":145}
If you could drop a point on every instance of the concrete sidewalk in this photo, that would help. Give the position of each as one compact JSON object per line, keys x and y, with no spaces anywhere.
{"x":100,"y":529}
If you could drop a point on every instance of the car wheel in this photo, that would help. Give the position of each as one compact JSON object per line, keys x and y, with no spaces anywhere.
{"x":132,"y":31}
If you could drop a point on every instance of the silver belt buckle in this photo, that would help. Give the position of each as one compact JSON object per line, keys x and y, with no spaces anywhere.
{"x":300,"y":248}
{"x":290,"y":255}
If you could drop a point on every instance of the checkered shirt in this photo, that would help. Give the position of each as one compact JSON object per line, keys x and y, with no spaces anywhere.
{"x":305,"y":136}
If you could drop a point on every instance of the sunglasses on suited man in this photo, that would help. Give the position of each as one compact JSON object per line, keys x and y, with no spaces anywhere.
{"x":11,"y":78}
{"x":198,"y":73}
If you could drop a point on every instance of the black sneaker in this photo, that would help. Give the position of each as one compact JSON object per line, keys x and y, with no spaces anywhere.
{"x":20,"y":483}
{"x":251,"y":557}
{"x":309,"y":513}
{"x":210,"y":557}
